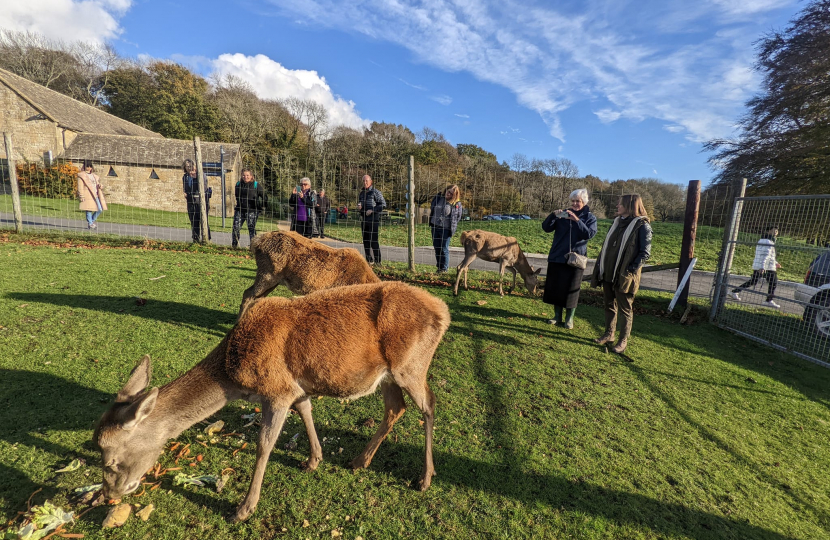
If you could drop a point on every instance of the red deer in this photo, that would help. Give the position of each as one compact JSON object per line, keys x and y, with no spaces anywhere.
{"x":302,"y":265}
{"x":364,"y":336}
{"x":494,"y":247}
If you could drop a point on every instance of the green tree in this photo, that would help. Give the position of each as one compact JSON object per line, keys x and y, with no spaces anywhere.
{"x":784,"y":144}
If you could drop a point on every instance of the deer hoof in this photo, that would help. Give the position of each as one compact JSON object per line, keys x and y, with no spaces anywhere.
{"x":359,"y":463}
{"x":424,"y":483}
{"x":311,"y":464}
{"x":243,"y":512}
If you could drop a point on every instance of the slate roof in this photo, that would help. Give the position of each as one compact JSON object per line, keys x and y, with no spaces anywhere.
{"x":70,"y":113}
{"x":149,"y":151}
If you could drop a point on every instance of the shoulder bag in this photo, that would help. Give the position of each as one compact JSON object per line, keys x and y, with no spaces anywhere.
{"x":572,"y":258}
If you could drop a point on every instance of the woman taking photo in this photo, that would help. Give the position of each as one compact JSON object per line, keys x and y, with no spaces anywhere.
{"x":90,"y":194}
{"x":626,"y":248}
{"x":571,"y":228}
{"x":444,"y":215}
{"x":302,"y":202}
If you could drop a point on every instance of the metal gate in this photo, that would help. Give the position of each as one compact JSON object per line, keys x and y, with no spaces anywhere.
{"x":773,"y":281}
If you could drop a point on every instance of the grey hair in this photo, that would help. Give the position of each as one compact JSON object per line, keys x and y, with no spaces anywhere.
{"x":582,"y":193}
{"x":305,"y":179}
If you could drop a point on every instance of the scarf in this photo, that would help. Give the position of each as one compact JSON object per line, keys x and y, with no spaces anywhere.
{"x":623,"y":240}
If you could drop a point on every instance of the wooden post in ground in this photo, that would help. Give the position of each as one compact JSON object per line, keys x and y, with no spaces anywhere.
{"x":18,"y":215}
{"x":410,"y":207}
{"x":203,"y":206}
{"x":687,"y":247}
{"x":727,"y":251}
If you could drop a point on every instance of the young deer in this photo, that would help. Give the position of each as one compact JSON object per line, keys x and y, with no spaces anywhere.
{"x":302,"y":265}
{"x":494,"y":247}
{"x":340,"y":342}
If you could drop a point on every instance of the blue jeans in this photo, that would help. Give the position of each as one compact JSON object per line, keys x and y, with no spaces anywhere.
{"x":441,"y":242}
{"x":92,"y":216}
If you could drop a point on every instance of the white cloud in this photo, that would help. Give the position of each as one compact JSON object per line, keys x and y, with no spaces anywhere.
{"x":271,"y":80}
{"x":442,"y":99}
{"x":415,"y":86}
{"x":86,"y":20}
{"x":462,"y":115}
{"x":686,"y":64}
{"x":673,"y":128}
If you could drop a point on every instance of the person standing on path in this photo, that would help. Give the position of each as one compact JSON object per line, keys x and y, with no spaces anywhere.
{"x":444,"y":215}
{"x":90,"y":194}
{"x":250,"y":200}
{"x":302,"y":202}
{"x":765,"y":266}
{"x":571,"y":228}
{"x":624,"y":252}
{"x":190,"y":185}
{"x":322,"y":210}
{"x":370,"y":205}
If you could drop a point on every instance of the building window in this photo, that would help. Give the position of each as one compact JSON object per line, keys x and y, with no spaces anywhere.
{"x":112,"y":172}
{"x":153,"y":175}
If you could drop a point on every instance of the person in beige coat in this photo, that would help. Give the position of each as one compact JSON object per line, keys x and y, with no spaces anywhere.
{"x":90,"y":194}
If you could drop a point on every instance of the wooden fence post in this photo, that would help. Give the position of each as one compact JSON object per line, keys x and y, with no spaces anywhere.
{"x":203,"y":206}
{"x":687,"y":249}
{"x":410,"y":207}
{"x":727,"y":251}
{"x":18,"y":215}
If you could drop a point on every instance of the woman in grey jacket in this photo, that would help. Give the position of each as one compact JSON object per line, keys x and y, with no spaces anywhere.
{"x":444,"y":215}
{"x":370,"y":205}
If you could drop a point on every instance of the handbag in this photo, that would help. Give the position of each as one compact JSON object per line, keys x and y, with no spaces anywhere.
{"x":572,"y":258}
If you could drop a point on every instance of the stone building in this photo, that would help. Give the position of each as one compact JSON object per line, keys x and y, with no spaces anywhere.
{"x":138,"y":167}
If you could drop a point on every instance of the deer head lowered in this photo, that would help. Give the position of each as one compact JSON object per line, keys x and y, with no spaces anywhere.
{"x":493,"y":247}
{"x":376,"y":334}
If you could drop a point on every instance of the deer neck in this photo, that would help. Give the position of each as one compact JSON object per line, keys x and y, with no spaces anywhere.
{"x":522,"y":265}
{"x":194,"y":396}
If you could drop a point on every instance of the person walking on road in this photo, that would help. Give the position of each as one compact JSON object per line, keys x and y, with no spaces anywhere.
{"x":250,"y":200}
{"x":765,"y":266}
{"x":624,"y":252}
{"x":90,"y":194}
{"x":571,"y":228}
{"x":370,"y":206}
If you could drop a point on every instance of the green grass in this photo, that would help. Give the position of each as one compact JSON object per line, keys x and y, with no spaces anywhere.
{"x":539,"y":433}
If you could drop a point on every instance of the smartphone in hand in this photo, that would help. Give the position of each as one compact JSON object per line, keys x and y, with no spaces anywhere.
{"x":562,"y":214}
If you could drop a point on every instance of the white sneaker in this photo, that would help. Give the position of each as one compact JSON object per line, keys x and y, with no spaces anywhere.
{"x":735,"y":296}
{"x":772,"y":304}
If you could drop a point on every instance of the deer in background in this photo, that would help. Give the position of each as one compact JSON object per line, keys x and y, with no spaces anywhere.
{"x":494,"y":247}
{"x":302,"y":265}
{"x":365,"y":335}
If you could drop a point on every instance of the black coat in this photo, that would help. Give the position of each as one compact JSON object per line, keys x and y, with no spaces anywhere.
{"x":569,"y":235}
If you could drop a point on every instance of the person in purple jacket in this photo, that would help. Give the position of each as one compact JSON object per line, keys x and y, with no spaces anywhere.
{"x":302,"y":203}
{"x":572,"y":229}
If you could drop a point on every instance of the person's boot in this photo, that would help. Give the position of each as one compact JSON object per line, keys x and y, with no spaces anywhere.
{"x":607,"y":337}
{"x":620,"y":346}
{"x":569,"y":318}
{"x":557,"y":316}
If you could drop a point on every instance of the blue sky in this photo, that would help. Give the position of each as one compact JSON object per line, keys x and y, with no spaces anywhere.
{"x":623,"y":89}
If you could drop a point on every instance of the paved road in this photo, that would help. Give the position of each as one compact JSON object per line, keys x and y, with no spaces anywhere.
{"x":665,"y":280}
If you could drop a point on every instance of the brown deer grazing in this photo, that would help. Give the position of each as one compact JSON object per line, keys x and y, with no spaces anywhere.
{"x":302,"y":265}
{"x":340,"y":342}
{"x":494,"y":247}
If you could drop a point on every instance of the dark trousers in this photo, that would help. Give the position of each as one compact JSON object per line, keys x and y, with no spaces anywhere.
{"x":371,"y":246}
{"x":194,"y":213}
{"x":757,"y":275}
{"x":441,"y":243}
{"x":615,"y":301}
{"x":240,"y":215}
{"x":321,"y":225}
{"x":305,"y":228}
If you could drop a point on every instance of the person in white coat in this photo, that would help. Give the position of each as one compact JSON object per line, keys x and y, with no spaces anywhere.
{"x":765,"y":266}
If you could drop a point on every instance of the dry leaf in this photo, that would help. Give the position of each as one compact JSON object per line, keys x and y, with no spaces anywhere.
{"x":215,"y":427}
{"x":481,"y":302}
{"x":118,"y":516}
{"x":145,"y":512}
{"x":74,"y":465}
{"x":306,"y":523}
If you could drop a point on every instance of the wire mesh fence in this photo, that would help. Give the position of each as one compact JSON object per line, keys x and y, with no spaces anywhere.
{"x":777,"y":289}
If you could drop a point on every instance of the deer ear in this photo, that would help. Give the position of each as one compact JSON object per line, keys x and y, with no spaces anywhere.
{"x":140,"y":409}
{"x":139,"y":381}
{"x":538,"y":270}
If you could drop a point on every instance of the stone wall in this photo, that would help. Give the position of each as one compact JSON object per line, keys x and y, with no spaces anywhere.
{"x":32,"y":134}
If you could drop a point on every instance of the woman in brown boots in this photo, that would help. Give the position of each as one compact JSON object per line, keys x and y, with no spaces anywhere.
{"x":626,"y":248}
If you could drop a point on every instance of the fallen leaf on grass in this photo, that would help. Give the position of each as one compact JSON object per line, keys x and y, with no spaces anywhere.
{"x":201,"y":481}
{"x":369,"y":423}
{"x":292,"y":444}
{"x":74,"y":465}
{"x":117,"y":516}
{"x":481,"y":302}
{"x":145,"y":512}
{"x":40,"y":521}
{"x":220,"y":484}
{"x":215,"y":427}
{"x":88,"y":489}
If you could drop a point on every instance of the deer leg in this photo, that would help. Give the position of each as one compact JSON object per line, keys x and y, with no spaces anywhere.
{"x":273,"y":416}
{"x":303,"y":407}
{"x":425,"y":400}
{"x":502,"y":266}
{"x":263,"y":285}
{"x":395,"y":407}
{"x":468,"y":259}
{"x":512,"y":269}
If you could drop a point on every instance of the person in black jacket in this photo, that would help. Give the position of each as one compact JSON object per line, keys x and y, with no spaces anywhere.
{"x":302,"y":204}
{"x":370,"y":205}
{"x":571,"y":228}
{"x":250,"y":200}
{"x":190,"y":185}
{"x":444,"y":214}
{"x":322,"y":209}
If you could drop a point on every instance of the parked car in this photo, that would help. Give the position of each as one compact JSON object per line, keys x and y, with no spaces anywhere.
{"x":525,"y":216}
{"x":492,"y":217}
{"x":815,"y":292}
{"x":507,"y":217}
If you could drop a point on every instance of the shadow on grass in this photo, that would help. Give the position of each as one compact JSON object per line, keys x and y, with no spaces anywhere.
{"x":216,"y":321}
{"x":29,"y":409}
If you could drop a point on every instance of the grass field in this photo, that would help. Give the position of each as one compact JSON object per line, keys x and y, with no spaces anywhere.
{"x":539,"y":432}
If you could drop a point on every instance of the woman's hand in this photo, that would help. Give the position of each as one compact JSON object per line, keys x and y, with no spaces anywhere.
{"x":572,"y":216}
{"x":294,"y":190}
{"x":777,"y":265}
